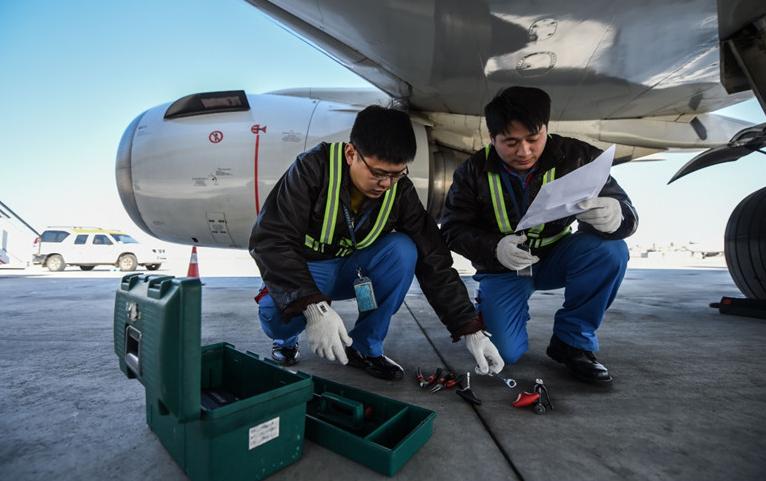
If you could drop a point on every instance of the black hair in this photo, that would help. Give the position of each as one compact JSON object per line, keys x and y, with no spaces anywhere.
{"x":529,"y":106}
{"x":385,"y":133}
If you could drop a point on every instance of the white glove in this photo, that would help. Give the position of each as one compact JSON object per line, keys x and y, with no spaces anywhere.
{"x":326,"y":332}
{"x":511,"y":256}
{"x":603,"y":213}
{"x":487,"y":357}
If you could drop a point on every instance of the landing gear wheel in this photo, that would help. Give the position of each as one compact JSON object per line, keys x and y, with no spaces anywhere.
{"x":539,"y":409}
{"x":87,"y":268}
{"x":745,"y":245}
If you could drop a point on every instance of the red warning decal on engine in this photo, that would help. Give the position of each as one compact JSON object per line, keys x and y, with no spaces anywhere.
{"x":215,"y":136}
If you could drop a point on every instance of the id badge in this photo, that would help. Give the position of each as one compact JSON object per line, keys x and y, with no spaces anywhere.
{"x":365,"y":296}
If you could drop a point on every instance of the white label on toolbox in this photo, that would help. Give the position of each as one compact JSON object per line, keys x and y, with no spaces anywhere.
{"x":264,"y":432}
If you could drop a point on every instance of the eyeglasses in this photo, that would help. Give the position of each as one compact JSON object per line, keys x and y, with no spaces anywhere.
{"x":380,"y":174}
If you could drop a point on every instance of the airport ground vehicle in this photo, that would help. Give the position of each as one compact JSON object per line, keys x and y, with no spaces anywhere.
{"x":87,"y":247}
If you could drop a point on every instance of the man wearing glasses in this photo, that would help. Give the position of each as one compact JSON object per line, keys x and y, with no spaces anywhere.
{"x":345,"y":222}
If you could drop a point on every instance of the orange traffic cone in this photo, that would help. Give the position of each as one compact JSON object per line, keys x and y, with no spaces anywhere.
{"x":193,"y":268}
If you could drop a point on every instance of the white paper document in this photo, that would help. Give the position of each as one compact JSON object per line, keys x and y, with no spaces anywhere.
{"x":559,"y":198}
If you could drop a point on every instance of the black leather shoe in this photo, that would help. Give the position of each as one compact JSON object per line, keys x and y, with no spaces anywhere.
{"x":285,"y":356}
{"x":382,"y":367}
{"x":582,"y":364}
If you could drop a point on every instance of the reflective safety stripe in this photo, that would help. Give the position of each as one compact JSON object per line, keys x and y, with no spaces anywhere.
{"x":544,"y":241}
{"x":333,"y":194}
{"x":380,"y":222}
{"x":501,"y":214}
{"x":534,"y":232}
{"x":345,"y":246}
{"x":313,"y":244}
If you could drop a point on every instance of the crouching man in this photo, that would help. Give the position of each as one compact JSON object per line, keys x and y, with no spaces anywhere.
{"x":491,"y":192}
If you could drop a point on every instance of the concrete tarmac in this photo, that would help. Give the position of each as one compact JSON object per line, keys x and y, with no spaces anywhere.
{"x":688,"y":400}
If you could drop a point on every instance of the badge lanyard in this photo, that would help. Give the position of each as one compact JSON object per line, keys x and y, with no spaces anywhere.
{"x":365,"y":295}
{"x":506,"y":178}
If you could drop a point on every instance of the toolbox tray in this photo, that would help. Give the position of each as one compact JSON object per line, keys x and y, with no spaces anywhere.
{"x":378,"y":432}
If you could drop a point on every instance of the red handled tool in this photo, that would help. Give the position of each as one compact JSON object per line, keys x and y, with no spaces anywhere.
{"x":539,"y":398}
{"x":425,"y":382}
{"x":421,"y":379}
{"x":449,"y":382}
{"x":440,"y":382}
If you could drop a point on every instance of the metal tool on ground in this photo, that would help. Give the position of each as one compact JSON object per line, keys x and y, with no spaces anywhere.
{"x":539,"y":398}
{"x":525,"y":398}
{"x":467,"y":393}
{"x":451,"y":381}
{"x":424,"y":382}
{"x":544,"y":400}
{"x":506,"y":380}
{"x":441,"y":381}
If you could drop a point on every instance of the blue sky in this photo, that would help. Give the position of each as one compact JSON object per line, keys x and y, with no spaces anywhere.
{"x":73,"y":75}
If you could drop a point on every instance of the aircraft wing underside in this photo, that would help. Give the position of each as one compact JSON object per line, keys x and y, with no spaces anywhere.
{"x":610,"y":59}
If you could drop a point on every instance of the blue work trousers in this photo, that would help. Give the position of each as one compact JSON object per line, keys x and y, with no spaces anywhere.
{"x":588,"y":267}
{"x":389,"y":263}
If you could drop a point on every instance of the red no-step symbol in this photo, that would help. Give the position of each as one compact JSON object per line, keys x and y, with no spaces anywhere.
{"x":215,"y":136}
{"x":256,"y":129}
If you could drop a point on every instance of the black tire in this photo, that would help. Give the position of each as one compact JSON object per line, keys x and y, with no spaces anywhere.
{"x":55,"y":263}
{"x":127,"y":262}
{"x":152,"y":267}
{"x":745,"y":245}
{"x":87,"y":268}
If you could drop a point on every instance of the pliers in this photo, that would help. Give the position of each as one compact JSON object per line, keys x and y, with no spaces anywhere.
{"x":447,"y":382}
{"x":423,"y":382}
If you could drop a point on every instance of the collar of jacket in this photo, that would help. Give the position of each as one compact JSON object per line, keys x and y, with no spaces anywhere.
{"x":345,"y":186}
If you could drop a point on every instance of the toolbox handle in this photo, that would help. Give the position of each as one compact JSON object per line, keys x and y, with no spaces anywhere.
{"x":129,"y":281}
{"x":354,"y":409}
{"x":158,"y":286}
{"x":341,"y":411}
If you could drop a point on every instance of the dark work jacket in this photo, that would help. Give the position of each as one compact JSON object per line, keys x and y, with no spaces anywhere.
{"x":295,"y":207}
{"x":469,"y":224}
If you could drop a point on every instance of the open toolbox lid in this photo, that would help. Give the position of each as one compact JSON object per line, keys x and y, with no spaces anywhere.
{"x":157,"y":338}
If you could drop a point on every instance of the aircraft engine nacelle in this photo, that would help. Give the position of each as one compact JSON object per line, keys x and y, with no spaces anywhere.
{"x":198,"y":170}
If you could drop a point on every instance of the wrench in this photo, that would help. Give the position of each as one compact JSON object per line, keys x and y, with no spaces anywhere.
{"x":508,"y":381}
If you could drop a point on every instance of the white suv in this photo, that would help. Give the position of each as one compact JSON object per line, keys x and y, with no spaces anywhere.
{"x":58,"y":247}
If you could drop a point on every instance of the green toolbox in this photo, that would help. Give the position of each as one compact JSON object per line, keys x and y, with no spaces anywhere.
{"x":220,"y":413}
{"x":376,"y":431}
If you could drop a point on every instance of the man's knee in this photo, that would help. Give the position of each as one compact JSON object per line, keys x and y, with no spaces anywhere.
{"x":616,"y":252}
{"x":395,"y":257}
{"x":510,"y":350}
{"x":605,"y":252}
{"x":272,"y":322}
{"x":616,"y":249}
{"x":402,"y":247}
